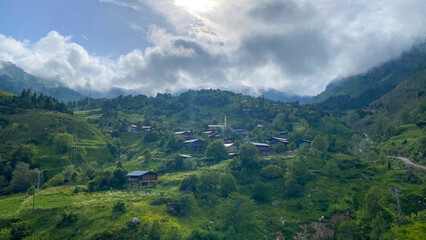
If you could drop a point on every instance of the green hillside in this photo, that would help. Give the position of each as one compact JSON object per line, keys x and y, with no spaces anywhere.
{"x":202,"y":194}
{"x":360,"y":90}
{"x":45,"y":139}
{"x":13,"y":79}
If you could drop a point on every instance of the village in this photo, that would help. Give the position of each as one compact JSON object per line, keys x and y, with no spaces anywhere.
{"x":190,"y":144}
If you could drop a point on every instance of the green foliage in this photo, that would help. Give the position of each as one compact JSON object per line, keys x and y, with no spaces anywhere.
{"x":189,"y":183}
{"x":248,"y":155}
{"x":279,"y":148}
{"x":296,"y":176}
{"x":63,"y":142}
{"x":119,"y":208}
{"x":209,"y":181}
{"x":22,"y":177}
{"x":228,"y":184}
{"x":56,"y":180}
{"x":320,"y":143}
{"x":271,"y":172}
{"x":260,"y":192}
{"x":216,"y":151}
{"x":236,"y":214}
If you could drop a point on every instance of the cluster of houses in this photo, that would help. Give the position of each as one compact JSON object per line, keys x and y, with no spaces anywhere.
{"x":148,"y":178}
{"x":266,"y":148}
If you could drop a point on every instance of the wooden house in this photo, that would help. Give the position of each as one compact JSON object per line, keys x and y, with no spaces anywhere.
{"x":194,"y":145}
{"x":185,"y":134}
{"x":302,"y":142}
{"x":231,"y":147}
{"x":146,"y":128}
{"x":132,"y":128}
{"x":263,"y":147}
{"x":214,"y":127}
{"x":142,"y":178}
{"x":274,"y":140}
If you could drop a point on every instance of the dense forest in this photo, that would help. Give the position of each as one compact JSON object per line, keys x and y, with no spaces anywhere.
{"x":287,"y":170}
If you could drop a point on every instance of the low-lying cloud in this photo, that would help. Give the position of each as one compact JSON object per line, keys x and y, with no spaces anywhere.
{"x":292,"y":46}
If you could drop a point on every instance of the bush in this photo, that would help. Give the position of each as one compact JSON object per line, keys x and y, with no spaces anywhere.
{"x":271,"y":172}
{"x":119,"y":207}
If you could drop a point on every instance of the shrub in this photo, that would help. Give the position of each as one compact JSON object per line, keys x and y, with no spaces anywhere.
{"x":119,"y":207}
{"x":271,"y":172}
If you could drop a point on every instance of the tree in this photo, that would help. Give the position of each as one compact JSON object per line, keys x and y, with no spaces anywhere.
{"x":320,"y":143}
{"x":259,"y":193}
{"x":209,"y":181}
{"x":296,"y":176}
{"x":228,"y":184}
{"x":237,"y":212}
{"x":189,"y":183}
{"x":217,"y":151}
{"x":271,"y":172}
{"x":248,"y":154}
{"x":24,"y":153}
{"x":63,"y":142}
{"x":279,"y":148}
{"x":22,"y":177}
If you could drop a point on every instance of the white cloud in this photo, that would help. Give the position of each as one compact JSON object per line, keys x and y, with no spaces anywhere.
{"x":293,"y":46}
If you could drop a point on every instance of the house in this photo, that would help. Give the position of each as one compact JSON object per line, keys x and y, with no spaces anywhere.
{"x":274,"y":140}
{"x":263,"y":147}
{"x":185,"y":134}
{"x":301,"y":142}
{"x":146,"y":128}
{"x":132,"y":128}
{"x":142,"y":178}
{"x":229,"y":140}
{"x":231,"y":147}
{"x":194,"y":145}
{"x":233,"y":155}
{"x":214,"y":127}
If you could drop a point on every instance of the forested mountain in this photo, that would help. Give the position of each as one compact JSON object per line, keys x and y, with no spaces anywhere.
{"x":362,"y":89}
{"x":13,"y":79}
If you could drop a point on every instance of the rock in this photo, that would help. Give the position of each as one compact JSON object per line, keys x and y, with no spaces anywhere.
{"x":135,"y":220}
{"x":113,"y":217}
{"x":154,"y":203}
{"x":275,"y":203}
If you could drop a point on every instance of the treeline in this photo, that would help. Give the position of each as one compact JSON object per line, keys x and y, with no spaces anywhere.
{"x":29,"y":100}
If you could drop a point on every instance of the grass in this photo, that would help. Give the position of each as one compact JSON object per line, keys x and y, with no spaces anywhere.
{"x":10,"y":206}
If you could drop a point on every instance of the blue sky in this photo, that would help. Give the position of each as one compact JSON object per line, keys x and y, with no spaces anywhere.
{"x":107,"y":26}
{"x":150,"y":46}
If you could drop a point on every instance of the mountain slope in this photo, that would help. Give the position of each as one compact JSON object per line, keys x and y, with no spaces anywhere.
{"x":360,"y":90}
{"x":13,"y":79}
{"x":48,"y":140}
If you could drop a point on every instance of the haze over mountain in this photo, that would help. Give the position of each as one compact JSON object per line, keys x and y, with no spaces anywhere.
{"x":13,"y":79}
{"x":362,"y":89}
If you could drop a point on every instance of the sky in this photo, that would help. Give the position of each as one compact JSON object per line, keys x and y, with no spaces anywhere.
{"x":151,"y":46}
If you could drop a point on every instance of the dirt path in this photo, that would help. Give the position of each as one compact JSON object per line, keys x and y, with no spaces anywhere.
{"x":407,"y":161}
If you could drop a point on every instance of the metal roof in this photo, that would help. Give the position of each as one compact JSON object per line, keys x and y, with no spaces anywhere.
{"x":283,"y":140}
{"x":260,"y":144}
{"x":137,"y":173}
{"x":192,"y":140}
